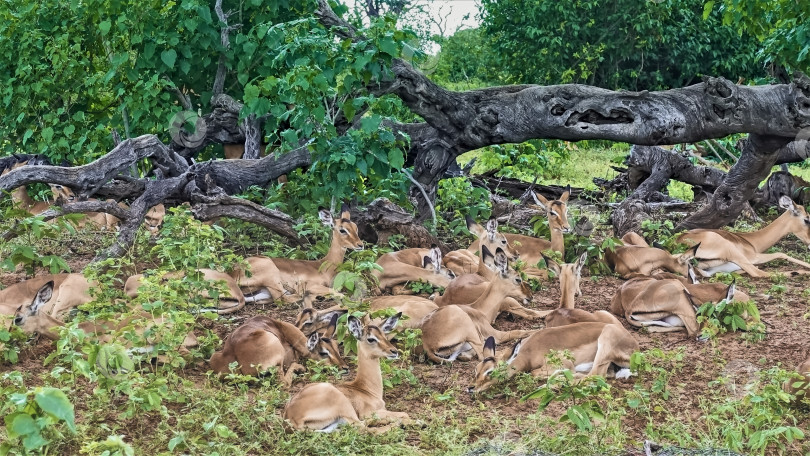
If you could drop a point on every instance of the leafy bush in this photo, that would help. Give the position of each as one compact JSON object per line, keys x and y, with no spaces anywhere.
{"x":33,"y":416}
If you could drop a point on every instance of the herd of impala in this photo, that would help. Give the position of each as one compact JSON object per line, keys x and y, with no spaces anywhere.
{"x":479,"y":284}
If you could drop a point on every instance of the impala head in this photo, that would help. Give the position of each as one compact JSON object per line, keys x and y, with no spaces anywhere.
{"x":311,"y":320}
{"x":482,"y":379}
{"x":799,"y":221}
{"x":154,"y":219}
{"x":506,"y":275}
{"x":325,"y":347}
{"x":569,"y":274}
{"x":62,"y":194}
{"x":556,"y":211}
{"x":433,"y":262}
{"x":685,"y":261}
{"x":372,"y":339}
{"x":31,"y":320}
{"x":490,"y":237}
{"x":343,"y":229}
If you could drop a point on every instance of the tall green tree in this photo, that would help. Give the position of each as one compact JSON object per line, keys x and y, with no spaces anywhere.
{"x":624,"y":44}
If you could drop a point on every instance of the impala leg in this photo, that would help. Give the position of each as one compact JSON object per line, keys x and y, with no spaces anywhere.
{"x":515,"y":308}
{"x":766,"y":257}
{"x":294,"y":368}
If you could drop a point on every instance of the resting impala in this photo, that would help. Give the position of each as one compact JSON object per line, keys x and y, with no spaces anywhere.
{"x":324,"y":407}
{"x":570,"y":275}
{"x":634,"y":258}
{"x":597,"y":348}
{"x":410,"y":265}
{"x":499,"y":294}
{"x":458,"y":332}
{"x":799,"y":386}
{"x":414,"y":307}
{"x":20,"y":197}
{"x":226,"y":303}
{"x":530,"y":248}
{"x":270,"y":276}
{"x":34,"y":320}
{"x":464,"y":261}
{"x":70,"y":291}
{"x":666,"y":305}
{"x":263,"y":342}
{"x":723,"y":251}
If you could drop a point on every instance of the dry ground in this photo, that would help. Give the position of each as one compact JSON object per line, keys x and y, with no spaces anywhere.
{"x":441,"y":387}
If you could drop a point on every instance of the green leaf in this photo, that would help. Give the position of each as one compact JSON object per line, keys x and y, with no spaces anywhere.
{"x":396,"y":159}
{"x":20,"y":423}
{"x":105,"y":27}
{"x":370,"y":124}
{"x":388,"y":46}
{"x":707,"y":9}
{"x":169,"y":57}
{"x":54,"y":401}
{"x":47,"y":134}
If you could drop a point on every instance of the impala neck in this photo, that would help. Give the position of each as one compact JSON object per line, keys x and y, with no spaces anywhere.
{"x":20,"y":196}
{"x":765,"y":238}
{"x":567,"y":298}
{"x":334,"y":257}
{"x":491,"y":299}
{"x":557,"y":242}
{"x":369,"y":375}
{"x":293,"y":336}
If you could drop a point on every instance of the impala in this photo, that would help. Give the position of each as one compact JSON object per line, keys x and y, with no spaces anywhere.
{"x":666,"y":305}
{"x":263,"y":342}
{"x":34,"y":320}
{"x":597,"y":349}
{"x":324,"y":406}
{"x":570,"y":275}
{"x":635,"y":258}
{"x":530,"y":248}
{"x":226,"y":303}
{"x":410,"y":265}
{"x":69,"y":291}
{"x":270,"y":276}
{"x":499,"y":294}
{"x":723,"y":251}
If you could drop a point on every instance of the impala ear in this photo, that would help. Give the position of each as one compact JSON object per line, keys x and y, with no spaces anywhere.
{"x":344,"y":212}
{"x":689,"y":254}
{"x":489,"y":347}
{"x":326,"y":217}
{"x":487,"y":257}
{"x":786,"y":203}
{"x":332,"y":327}
{"x":501,"y":262}
{"x":566,"y":194}
{"x":581,"y":263}
{"x":43,"y":295}
{"x":731,"y":289}
{"x":492,"y":228}
{"x":390,"y":323}
{"x":355,"y":327}
{"x":436,"y":257}
{"x":541,"y":201}
{"x":552,"y":265}
{"x":312,"y":342}
{"x":331,"y":315}
{"x":515,"y":351}
{"x":690,"y":272}
{"x":473,"y":227}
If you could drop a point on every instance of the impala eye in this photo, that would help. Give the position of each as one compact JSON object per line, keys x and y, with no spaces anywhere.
{"x":371,"y":340}
{"x":555,"y":214}
{"x":342,"y":231}
{"x":325,"y":354}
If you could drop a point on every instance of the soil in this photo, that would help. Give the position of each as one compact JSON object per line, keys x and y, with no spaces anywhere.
{"x":730,"y":355}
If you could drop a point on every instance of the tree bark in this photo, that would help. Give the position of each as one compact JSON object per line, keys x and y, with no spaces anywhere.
{"x":759,"y":154}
